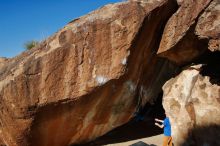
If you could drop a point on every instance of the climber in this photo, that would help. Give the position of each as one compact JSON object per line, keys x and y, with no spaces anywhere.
{"x":167,"y":140}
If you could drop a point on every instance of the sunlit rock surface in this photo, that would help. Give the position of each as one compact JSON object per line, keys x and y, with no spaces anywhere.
{"x":3,"y":61}
{"x":87,"y":78}
{"x":179,"y":42}
{"x":208,"y":26}
{"x":94,"y":74}
{"x":192,"y":103}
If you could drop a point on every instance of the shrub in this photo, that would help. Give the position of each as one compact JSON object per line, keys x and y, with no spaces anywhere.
{"x":31,"y":44}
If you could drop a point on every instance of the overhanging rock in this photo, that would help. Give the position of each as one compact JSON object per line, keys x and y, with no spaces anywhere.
{"x":84,"y":80}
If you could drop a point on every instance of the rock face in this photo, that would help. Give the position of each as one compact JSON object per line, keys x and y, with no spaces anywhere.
{"x":192,"y":103}
{"x":3,"y":61}
{"x":192,"y":98}
{"x":95,"y":73}
{"x":86,"y":79}
{"x":179,"y":42}
{"x":208,"y":26}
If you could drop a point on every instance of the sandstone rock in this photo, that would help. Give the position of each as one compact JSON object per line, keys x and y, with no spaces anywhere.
{"x":86,"y":79}
{"x":192,"y":103}
{"x":3,"y":61}
{"x":208,"y":26}
{"x":179,"y":43}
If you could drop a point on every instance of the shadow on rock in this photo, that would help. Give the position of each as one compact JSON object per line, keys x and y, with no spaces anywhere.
{"x":210,"y":66}
{"x":141,"y":126}
{"x":130,"y":131}
{"x":203,"y":136}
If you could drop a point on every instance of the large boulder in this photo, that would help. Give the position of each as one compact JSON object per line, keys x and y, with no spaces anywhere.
{"x":87,"y":78}
{"x":192,"y":98}
{"x":192,"y":104}
{"x":179,"y":43}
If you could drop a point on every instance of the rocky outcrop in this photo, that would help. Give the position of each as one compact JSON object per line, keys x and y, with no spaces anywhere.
{"x":87,"y":78}
{"x":97,"y":71}
{"x":192,"y":103}
{"x":3,"y":61}
{"x":208,"y":26}
{"x":179,"y":42}
{"x":192,"y":98}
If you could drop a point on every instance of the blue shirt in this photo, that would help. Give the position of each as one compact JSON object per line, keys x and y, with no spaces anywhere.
{"x":167,"y":127}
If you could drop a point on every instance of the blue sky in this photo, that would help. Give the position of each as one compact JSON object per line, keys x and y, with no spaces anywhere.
{"x":24,"y":20}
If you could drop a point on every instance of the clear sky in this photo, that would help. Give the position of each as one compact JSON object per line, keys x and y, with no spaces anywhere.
{"x":25,"y":20}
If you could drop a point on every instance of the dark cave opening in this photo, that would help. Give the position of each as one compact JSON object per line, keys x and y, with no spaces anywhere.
{"x":210,"y":66}
{"x":152,"y":111}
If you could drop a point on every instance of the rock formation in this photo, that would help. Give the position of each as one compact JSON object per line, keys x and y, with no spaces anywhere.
{"x":96,"y":72}
{"x":192,"y":98}
{"x":3,"y":61}
{"x":87,"y":78}
{"x":192,"y":102}
{"x":208,"y":26}
{"x":179,"y":42}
